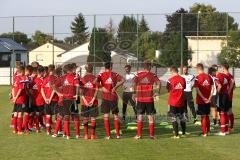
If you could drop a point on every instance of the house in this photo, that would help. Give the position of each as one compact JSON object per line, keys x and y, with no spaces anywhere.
{"x":47,"y":53}
{"x":10,"y":53}
{"x":205,"y":49}
{"x":80,"y":54}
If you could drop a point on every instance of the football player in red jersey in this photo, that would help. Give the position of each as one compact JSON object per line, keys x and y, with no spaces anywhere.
{"x":69,"y":85}
{"x":175,"y":86}
{"x":50,"y":97}
{"x":89,"y":101}
{"x":143,"y":88}
{"x":109,"y":82}
{"x":19,"y":100}
{"x":27,"y":107}
{"x":204,"y":87}
{"x":223,"y":91}
{"x":225,"y":68}
{"x":59,"y":107}
{"x":38,"y":101}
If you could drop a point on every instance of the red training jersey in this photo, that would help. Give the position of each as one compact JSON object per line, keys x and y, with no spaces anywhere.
{"x":36,"y":89}
{"x":231,"y":92}
{"x":69,"y":86}
{"x":204,"y":83}
{"x":19,"y":84}
{"x":224,"y":81}
{"x":46,"y":86}
{"x":109,"y":80}
{"x":89,"y":89}
{"x":176,"y":86}
{"x":144,"y":81}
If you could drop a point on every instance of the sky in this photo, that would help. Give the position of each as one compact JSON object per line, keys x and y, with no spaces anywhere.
{"x":10,"y":8}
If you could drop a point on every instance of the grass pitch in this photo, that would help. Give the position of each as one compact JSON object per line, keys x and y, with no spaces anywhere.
{"x":193,"y":147}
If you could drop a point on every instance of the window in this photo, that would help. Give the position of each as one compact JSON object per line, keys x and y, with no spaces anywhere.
{"x":18,"y":57}
{"x":5,"y":60}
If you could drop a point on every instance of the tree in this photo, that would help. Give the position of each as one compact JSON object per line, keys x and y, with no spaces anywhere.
{"x":212,"y":22}
{"x":127,"y":29}
{"x":143,"y":26}
{"x":41,"y":38}
{"x":79,"y":30}
{"x":172,"y":49}
{"x":19,"y":37}
{"x":231,"y":52}
{"x":147,"y":44}
{"x":101,"y":38}
{"x":110,"y":26}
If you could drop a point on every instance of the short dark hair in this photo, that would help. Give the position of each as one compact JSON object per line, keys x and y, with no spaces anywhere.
{"x":147,"y":64}
{"x":200,"y":65}
{"x":128,"y":66}
{"x":225,"y":65}
{"x":21,"y":69}
{"x":40,"y":69}
{"x":215,"y":66}
{"x":58,"y":71}
{"x":108,"y":65}
{"x":89,"y":68}
{"x":51,"y":68}
{"x":29,"y":68}
{"x":211,"y":70}
{"x":174,"y":69}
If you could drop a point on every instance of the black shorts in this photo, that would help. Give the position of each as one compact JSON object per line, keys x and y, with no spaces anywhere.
{"x":204,"y":109}
{"x":27,"y":106}
{"x":146,"y":108}
{"x":176,"y":112}
{"x":18,"y":108}
{"x":39,"y":109}
{"x":89,"y":111}
{"x":214,"y":101}
{"x":108,"y":106}
{"x":69,"y":107}
{"x":223,"y":103}
{"x":50,"y":109}
{"x":230,"y":104}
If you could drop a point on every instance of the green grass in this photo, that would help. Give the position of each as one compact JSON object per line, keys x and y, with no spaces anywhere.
{"x":42,"y":147}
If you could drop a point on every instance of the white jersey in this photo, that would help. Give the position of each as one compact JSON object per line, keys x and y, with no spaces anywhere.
{"x":128,"y":84}
{"x":190,"y":79}
{"x":214,"y":85}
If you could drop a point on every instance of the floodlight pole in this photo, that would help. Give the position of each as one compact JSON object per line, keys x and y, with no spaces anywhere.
{"x":11,"y":56}
{"x":137,"y":43}
{"x":181,"y":43}
{"x":94,"y":41}
{"x":53,"y":32}
{"x":198,"y":16}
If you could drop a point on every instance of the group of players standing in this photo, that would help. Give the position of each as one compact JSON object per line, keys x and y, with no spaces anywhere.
{"x":39,"y":93}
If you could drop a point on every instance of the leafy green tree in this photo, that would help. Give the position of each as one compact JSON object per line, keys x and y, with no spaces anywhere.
{"x":147,"y":44}
{"x":19,"y":37}
{"x":41,"y":38}
{"x":101,"y":38}
{"x":79,"y":30}
{"x":127,"y":29}
{"x":212,"y":22}
{"x":231,"y":52}
{"x":172,"y":49}
{"x":143,"y":26}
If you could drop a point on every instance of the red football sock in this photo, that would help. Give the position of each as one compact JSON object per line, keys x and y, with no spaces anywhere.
{"x":139,"y":128}
{"x":151,"y":129}
{"x":66,"y":127}
{"x":208,"y":124}
{"x":36,"y":119}
{"x":107,"y":126}
{"x":30,"y":122}
{"x":25,"y":121}
{"x":93,"y":125}
{"x":48,"y":124}
{"x":231,"y":120}
{"x":60,"y":128}
{"x":222,"y":122}
{"x":204,"y":124}
{"x":14,"y":121}
{"x":57,"y":125}
{"x":86,"y":128}
{"x":117,"y":126}
{"x":19,"y":124}
{"x":77,"y":125}
{"x":226,"y":122}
